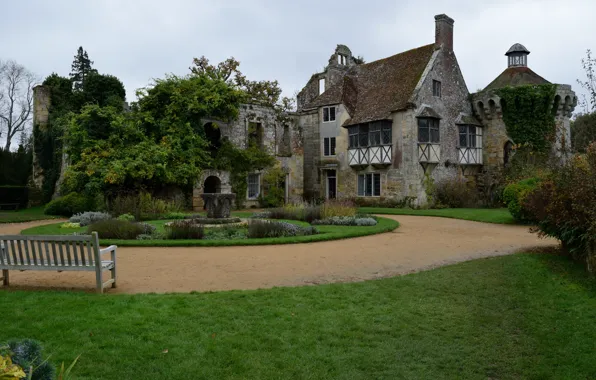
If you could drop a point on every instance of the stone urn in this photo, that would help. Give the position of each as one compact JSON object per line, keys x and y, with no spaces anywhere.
{"x":218,"y":205}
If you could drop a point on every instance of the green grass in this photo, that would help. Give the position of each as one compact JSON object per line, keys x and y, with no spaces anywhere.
{"x":524,"y":316}
{"x":24,"y":215}
{"x":326,"y":233}
{"x":488,"y":215}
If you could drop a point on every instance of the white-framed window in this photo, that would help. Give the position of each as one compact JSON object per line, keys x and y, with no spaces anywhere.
{"x":369,"y":185}
{"x":329,"y":146}
{"x":254,"y":185}
{"x":436,"y":88}
{"x":321,"y":86}
{"x":470,"y":136}
{"x":328,"y":114}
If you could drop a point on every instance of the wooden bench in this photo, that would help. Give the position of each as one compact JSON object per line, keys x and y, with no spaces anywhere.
{"x":11,"y":206}
{"x":59,"y":253}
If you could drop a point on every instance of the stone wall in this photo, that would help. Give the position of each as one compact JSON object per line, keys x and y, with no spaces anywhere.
{"x":41,"y":114}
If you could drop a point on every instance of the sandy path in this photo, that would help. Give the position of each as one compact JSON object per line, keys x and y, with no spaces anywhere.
{"x":420,"y":243}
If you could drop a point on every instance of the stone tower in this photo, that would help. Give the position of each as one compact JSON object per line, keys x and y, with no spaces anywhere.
{"x":487,"y":107}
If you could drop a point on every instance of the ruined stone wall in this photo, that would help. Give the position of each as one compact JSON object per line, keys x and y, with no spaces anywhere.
{"x":309,"y":124}
{"x":283,"y":141}
{"x":41,"y":114}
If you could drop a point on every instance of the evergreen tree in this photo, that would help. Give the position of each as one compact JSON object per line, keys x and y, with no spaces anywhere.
{"x":81,"y":68}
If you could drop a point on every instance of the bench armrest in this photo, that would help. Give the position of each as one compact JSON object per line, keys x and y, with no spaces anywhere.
{"x":112,"y":249}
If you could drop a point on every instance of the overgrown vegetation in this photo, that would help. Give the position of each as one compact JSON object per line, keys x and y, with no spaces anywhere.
{"x":455,"y":193}
{"x":184,"y":229}
{"x":528,"y":114}
{"x":515,"y":195}
{"x":258,"y":229}
{"x":564,"y":206}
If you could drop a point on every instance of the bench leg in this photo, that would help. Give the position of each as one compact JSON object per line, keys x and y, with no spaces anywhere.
{"x":98,"y":281}
{"x":113,"y":270}
{"x":5,"y":277}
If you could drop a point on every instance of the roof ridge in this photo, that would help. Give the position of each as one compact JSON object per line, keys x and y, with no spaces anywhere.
{"x":395,"y":55}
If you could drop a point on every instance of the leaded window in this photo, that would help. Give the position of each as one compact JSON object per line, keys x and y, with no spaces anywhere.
{"x":363,"y":136}
{"x":328,"y":114}
{"x":469,"y":137}
{"x":369,"y":185}
{"x":329,"y":146}
{"x":374,"y":134}
{"x":428,"y":131}
{"x":253,"y":181}
{"x":353,"y":136}
{"x":386,"y":133}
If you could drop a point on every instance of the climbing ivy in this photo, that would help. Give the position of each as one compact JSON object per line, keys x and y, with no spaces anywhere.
{"x":528,"y":115}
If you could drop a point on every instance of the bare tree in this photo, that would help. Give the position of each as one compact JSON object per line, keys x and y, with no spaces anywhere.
{"x":16,"y":100}
{"x":588,"y":103}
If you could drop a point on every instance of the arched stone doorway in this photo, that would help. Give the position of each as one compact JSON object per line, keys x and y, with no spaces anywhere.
{"x":212,"y":185}
{"x":210,"y":182}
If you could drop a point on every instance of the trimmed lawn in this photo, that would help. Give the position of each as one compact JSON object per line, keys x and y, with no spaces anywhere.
{"x":520,"y":316}
{"x":24,"y":215}
{"x":326,"y":233}
{"x":488,"y":215}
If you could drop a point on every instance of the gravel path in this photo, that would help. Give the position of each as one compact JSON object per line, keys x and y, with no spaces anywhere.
{"x":420,"y":243}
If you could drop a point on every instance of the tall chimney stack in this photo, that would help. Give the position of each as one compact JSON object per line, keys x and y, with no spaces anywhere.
{"x":444,"y":31}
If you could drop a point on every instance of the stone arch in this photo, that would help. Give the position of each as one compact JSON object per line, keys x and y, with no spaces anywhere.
{"x":480,"y":110}
{"x":557,"y":105}
{"x":492,"y":105}
{"x":212,"y":185}
{"x":507,"y":152}
{"x":221,"y":182}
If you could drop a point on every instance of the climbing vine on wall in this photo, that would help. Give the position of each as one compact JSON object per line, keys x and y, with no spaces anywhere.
{"x":528,"y":114}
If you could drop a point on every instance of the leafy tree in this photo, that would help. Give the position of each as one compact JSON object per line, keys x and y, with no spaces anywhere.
{"x":583,"y":132}
{"x":103,"y":90}
{"x":81,"y":69}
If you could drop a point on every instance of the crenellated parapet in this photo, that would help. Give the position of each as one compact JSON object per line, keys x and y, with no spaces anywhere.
{"x":565,"y":101}
{"x":487,"y":105}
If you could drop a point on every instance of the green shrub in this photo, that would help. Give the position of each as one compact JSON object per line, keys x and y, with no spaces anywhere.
{"x":127,"y":217}
{"x":69,"y":205}
{"x":117,"y":229}
{"x":143,"y":206}
{"x":514,"y":195}
{"x":564,"y":207}
{"x":184,"y":229}
{"x":267,"y":229}
{"x":333,"y":208}
{"x":455,"y":193}
{"x":28,"y":354}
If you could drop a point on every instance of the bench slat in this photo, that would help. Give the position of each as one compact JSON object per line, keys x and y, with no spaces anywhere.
{"x":75,"y":252}
{"x":49,"y":238}
{"x":41,"y":253}
{"x":47,"y":251}
{"x":27,"y":255}
{"x":62,"y":262}
{"x":14,"y":252}
{"x":20,"y":251}
{"x":89,"y":252}
{"x":54,"y":255}
{"x":3,"y":252}
{"x":67,"y":246}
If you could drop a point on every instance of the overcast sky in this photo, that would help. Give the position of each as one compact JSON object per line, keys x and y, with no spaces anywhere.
{"x":137,"y":40}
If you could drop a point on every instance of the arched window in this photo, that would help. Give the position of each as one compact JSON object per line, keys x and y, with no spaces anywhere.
{"x":507,"y":152}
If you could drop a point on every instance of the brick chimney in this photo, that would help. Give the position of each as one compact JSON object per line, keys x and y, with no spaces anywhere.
{"x":444,"y":31}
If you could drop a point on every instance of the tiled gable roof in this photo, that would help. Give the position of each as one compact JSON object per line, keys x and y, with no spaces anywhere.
{"x":516,"y":76}
{"x":374,"y":90}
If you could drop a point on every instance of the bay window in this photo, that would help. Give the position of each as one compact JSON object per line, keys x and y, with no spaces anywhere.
{"x":428,"y":131}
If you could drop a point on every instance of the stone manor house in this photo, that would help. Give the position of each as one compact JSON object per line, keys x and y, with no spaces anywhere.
{"x":380,"y":129}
